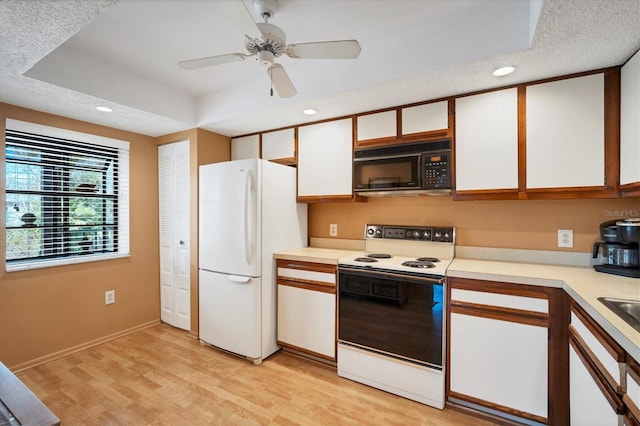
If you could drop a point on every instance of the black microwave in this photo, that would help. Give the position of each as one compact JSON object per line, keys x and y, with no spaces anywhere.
{"x":407,"y":169}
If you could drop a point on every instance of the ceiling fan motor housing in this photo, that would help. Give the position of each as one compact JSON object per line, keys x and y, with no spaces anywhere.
{"x":273,"y":41}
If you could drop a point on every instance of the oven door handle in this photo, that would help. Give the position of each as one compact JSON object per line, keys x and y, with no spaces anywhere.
{"x":378,"y":273}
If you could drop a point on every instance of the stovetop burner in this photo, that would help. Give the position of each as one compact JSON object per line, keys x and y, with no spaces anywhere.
{"x":418,"y":264}
{"x":379,"y":256}
{"x":365,"y":259}
{"x":428,"y":259}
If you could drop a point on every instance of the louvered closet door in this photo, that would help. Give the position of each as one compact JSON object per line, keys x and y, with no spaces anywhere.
{"x":173,"y":178}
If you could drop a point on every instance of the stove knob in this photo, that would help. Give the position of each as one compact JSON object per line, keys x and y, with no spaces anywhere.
{"x":378,"y":232}
{"x":437,"y":234}
{"x":416,"y":234}
{"x":370,"y":231}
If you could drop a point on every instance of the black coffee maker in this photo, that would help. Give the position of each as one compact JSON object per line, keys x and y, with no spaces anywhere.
{"x":619,"y":247}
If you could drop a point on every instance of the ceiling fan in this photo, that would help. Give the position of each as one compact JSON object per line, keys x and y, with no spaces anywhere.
{"x":266,"y":42}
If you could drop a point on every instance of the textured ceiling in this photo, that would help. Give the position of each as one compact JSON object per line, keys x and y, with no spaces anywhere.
{"x":66,"y":57}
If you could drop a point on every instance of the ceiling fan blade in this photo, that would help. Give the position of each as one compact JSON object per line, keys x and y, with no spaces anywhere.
{"x":238,"y":13}
{"x":280,"y":80}
{"x":212,"y":60}
{"x":341,"y":49}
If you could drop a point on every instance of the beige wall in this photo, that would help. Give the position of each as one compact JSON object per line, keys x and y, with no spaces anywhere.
{"x":526,"y":224}
{"x":48,"y":311}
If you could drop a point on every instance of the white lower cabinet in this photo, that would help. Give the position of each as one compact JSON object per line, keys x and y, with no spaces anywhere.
{"x":499,"y":349}
{"x":307,"y":308}
{"x":589,"y":406}
{"x":596,"y":374}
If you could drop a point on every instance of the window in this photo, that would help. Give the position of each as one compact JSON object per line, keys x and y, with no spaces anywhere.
{"x":67,"y":196}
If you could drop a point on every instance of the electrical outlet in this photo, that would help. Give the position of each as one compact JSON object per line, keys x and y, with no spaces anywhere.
{"x":565,"y":237}
{"x":333,"y":230}
{"x":109,"y":297}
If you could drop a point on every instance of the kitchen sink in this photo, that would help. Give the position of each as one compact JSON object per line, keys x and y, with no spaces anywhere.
{"x":628,"y":310}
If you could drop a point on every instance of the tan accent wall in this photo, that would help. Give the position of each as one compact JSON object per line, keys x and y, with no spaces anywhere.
{"x":47,"y":311}
{"x":205,"y":147}
{"x":524,"y":224}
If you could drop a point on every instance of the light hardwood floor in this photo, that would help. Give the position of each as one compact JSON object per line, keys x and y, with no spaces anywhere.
{"x":161,"y":376}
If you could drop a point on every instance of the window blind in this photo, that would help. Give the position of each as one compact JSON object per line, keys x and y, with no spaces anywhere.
{"x":67,"y":197}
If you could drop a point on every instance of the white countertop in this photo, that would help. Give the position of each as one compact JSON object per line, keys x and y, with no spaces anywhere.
{"x":314,"y":254}
{"x":583,"y":284}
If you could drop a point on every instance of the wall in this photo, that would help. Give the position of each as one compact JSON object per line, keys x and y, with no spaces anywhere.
{"x":525,"y":224}
{"x":205,"y":147}
{"x":49,"y":312}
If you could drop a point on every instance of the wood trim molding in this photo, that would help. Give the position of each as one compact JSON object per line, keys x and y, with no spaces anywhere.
{"x":370,"y":143}
{"x":585,"y":356}
{"x":519,"y":316}
{"x":607,"y":341}
{"x":308,"y":285}
{"x":592,"y":361}
{"x":82,"y":346}
{"x":522,"y":139}
{"x":524,"y":290}
{"x":331,"y":199}
{"x":302,"y":351}
{"x":307,"y":266}
{"x":558,"y":358}
{"x":630,"y":189}
{"x":486,"y":194}
{"x":290,"y":161}
{"x":612,"y":79}
{"x":498,"y":407}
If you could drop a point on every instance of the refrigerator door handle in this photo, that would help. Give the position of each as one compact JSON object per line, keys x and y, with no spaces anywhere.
{"x":239,"y":279}
{"x":248,"y":239}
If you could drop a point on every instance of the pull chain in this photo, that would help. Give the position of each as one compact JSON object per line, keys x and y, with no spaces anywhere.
{"x":271,"y":80}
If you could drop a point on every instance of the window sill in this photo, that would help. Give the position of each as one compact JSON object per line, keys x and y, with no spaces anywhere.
{"x":24,"y":266}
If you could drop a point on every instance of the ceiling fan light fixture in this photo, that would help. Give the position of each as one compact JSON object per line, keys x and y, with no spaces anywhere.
{"x":309,"y":111}
{"x":502,"y":71}
{"x":265,"y":58}
{"x":104,"y":109}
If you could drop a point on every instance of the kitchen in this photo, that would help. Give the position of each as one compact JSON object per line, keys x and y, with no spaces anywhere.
{"x":76,"y":291}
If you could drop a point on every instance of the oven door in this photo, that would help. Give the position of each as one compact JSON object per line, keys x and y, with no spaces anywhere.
{"x":392,"y":313}
{"x":387,"y":173}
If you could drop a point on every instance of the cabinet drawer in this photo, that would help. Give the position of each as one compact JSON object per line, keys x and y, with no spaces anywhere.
{"x":606,"y":354}
{"x":315,"y":276}
{"x":501,"y":300}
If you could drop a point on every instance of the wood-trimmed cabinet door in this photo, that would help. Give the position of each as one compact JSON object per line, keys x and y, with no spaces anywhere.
{"x":379,"y":128}
{"x":503,"y":350}
{"x":596,"y":370}
{"x":245,"y":147}
{"x":630,"y":127}
{"x":174,"y":218}
{"x":325,"y":161}
{"x":571,"y":137}
{"x":425,"y":121}
{"x":487,"y":145}
{"x":279,"y":146}
{"x":307,"y":308}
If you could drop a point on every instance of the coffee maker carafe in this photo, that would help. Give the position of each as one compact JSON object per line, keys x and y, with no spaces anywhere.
{"x":619,"y":247}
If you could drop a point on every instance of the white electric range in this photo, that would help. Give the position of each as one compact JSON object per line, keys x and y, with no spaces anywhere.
{"x":391,"y":311}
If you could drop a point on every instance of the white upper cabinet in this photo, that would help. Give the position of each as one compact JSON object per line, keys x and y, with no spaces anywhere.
{"x":377,"y":126}
{"x":425,"y":118}
{"x":487,"y":141}
{"x":630,"y":121}
{"x":245,"y":147}
{"x":565,"y":133}
{"x":325,"y":155}
{"x":279,"y":144}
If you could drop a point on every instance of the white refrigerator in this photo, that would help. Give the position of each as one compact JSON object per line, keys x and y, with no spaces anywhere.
{"x":247,"y":211}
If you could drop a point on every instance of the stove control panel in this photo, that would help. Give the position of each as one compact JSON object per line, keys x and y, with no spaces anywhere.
{"x":443,"y":234}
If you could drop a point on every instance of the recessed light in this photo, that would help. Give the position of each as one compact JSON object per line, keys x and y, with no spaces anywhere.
{"x":309,"y":111}
{"x":504,"y":71}
{"x":104,"y":109}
